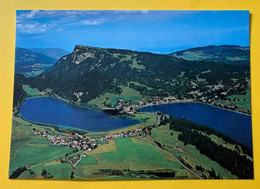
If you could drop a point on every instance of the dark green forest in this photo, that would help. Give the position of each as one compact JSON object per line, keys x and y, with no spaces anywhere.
{"x":233,"y":161}
{"x":19,"y":93}
{"x":95,"y":71}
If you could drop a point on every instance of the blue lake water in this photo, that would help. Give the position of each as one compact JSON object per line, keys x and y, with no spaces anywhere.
{"x":233,"y":124}
{"x":52,"y":111}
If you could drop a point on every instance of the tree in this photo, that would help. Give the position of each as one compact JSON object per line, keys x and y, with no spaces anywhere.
{"x":44,"y":172}
{"x":72,"y":174}
{"x":17,"y":172}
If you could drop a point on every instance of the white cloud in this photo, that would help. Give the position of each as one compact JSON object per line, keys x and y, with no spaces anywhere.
{"x":28,"y":15}
{"x":32,"y":14}
{"x":93,"y":21}
{"x":54,"y":13}
{"x":33,"y":28}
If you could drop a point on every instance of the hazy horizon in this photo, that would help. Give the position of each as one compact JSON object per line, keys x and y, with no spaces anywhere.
{"x":124,"y":49}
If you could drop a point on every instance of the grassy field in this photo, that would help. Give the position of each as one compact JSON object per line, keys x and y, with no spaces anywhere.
{"x":136,"y":65}
{"x":131,"y":58}
{"x":110,"y":147}
{"x":21,"y":135}
{"x":208,"y":71}
{"x":59,"y":171}
{"x":35,"y":154}
{"x":137,"y":153}
{"x":140,"y":84}
{"x":111,"y":98}
{"x":88,"y":160}
{"x":27,"y":148}
{"x":189,"y":153}
{"x":182,"y":74}
{"x":145,"y":119}
{"x":114,"y":100}
{"x":30,"y":91}
{"x":35,"y":92}
{"x":200,"y":79}
{"x":244,"y":100}
{"x":126,"y":95}
{"x":129,"y":153}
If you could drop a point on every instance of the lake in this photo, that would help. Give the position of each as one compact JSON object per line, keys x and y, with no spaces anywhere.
{"x":233,"y":124}
{"x":51,"y":111}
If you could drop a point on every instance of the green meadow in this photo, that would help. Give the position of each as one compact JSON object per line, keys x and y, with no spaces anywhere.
{"x":189,"y":153}
{"x":243,"y":101}
{"x":133,"y":153}
{"x":130,"y":153}
{"x":128,"y":94}
{"x":35,"y":154}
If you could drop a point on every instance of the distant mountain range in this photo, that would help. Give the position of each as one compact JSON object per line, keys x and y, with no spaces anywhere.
{"x":29,"y":57}
{"x":31,"y":63}
{"x":55,"y":53}
{"x":230,"y":54}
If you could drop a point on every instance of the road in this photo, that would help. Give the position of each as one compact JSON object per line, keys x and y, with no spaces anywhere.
{"x":73,"y":165}
{"x":185,"y":167}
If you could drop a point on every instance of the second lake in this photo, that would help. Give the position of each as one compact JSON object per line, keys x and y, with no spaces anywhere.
{"x":51,"y":111}
{"x":233,"y":124}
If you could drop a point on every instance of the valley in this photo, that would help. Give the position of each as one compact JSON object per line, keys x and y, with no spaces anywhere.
{"x":123,"y":82}
{"x":121,"y":154}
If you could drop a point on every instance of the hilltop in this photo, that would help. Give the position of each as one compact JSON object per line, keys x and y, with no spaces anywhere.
{"x":230,"y":54}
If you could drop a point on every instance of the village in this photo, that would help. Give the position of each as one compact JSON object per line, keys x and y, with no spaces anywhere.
{"x":81,"y":143}
{"x":129,"y":107}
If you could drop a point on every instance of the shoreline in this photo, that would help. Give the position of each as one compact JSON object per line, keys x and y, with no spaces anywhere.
{"x":87,"y":106}
{"x":74,"y":129}
{"x":127,"y":115}
{"x":197,"y":103}
{"x":49,"y":125}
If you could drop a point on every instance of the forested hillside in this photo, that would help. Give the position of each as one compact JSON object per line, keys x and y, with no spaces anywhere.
{"x":93,"y":71}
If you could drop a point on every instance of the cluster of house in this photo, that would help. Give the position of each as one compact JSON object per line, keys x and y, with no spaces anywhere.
{"x":128,"y":107}
{"x":132,"y":133}
{"x":141,"y":131}
{"x":89,"y":143}
{"x":85,"y":143}
{"x":71,"y":139}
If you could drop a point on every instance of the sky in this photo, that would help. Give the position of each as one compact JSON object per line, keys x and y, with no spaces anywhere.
{"x":140,"y":30}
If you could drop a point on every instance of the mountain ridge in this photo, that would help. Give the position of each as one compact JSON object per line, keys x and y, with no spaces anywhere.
{"x":230,"y":54}
{"x":31,"y":63}
{"x":162,"y":75}
{"x":55,"y":53}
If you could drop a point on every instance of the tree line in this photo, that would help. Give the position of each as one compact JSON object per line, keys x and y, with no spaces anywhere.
{"x":236,"y":163}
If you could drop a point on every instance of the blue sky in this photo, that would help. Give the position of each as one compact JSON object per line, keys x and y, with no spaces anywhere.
{"x":141,"y":30}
